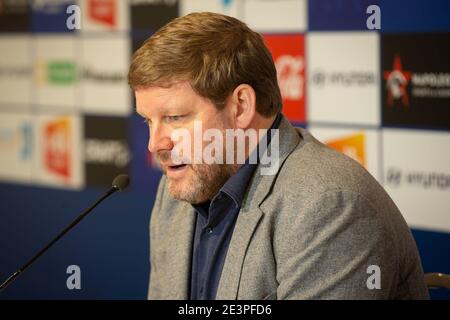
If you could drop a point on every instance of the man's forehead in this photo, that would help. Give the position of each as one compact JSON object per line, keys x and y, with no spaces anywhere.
{"x":162,"y":98}
{"x":159,"y":93}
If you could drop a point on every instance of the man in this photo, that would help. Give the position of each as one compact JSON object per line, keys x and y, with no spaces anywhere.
{"x":317,"y":226}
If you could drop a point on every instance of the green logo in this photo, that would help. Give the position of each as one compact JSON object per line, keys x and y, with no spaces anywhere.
{"x":61,"y":72}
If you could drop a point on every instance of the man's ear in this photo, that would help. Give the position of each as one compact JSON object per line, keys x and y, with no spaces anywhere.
{"x":244,"y":100}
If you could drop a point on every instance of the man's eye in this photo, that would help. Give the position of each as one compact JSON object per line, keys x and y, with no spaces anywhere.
{"x":174,"y":118}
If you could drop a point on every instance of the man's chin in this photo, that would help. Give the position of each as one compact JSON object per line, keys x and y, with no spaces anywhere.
{"x":185,"y":192}
{"x":178,"y":189}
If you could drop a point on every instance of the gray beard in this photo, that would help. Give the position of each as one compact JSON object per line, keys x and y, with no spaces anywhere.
{"x":206,"y":182}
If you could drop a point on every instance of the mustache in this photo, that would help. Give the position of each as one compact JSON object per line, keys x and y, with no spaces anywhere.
{"x":163,"y":156}
{"x":166,"y":156}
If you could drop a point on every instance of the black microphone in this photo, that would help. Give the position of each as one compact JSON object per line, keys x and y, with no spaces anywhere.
{"x":119,"y":183}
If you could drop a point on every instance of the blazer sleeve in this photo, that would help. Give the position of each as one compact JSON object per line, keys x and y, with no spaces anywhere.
{"x":334,"y":249}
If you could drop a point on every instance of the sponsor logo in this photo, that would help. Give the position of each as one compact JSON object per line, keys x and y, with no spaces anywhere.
{"x":110,"y":152}
{"x":16,"y":147}
{"x":400,"y":82}
{"x":321,"y":78}
{"x":344,"y":78}
{"x":397,"y":81}
{"x":352,"y":146}
{"x":290,"y":78}
{"x":416,"y":80}
{"x":106,"y":149}
{"x":20,"y":139}
{"x":288,"y":55}
{"x":431,"y":85}
{"x":396,"y":177}
{"x":57,"y":147}
{"x":26,"y":147}
{"x":13,"y":72}
{"x":56,"y":72}
{"x":103,"y":76}
{"x":226,"y":3}
{"x":103,"y":11}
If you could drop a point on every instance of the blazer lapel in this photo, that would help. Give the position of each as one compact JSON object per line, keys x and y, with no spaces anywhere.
{"x":250,"y":214}
{"x":178,"y":270}
{"x":231,"y":273}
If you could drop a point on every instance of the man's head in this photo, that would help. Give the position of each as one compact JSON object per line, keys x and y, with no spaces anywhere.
{"x":202,"y":67}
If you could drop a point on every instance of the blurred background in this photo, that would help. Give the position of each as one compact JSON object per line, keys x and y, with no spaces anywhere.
{"x":369,"y":78}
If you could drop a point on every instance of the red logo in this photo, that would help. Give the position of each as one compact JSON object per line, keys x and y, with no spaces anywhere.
{"x":288,"y":55}
{"x":104,"y":11}
{"x":57,"y":147}
{"x":396,"y":83}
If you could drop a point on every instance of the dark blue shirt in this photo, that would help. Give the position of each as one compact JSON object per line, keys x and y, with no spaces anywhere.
{"x":214,"y":228}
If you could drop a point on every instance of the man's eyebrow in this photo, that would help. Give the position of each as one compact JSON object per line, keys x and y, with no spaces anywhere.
{"x":165,"y":109}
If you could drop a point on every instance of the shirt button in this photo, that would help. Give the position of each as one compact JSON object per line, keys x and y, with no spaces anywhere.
{"x":209,"y":230}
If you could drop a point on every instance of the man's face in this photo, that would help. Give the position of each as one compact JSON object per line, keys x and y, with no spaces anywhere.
{"x":177,"y":107}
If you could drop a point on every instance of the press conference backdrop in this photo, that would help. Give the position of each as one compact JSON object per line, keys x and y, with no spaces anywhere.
{"x":68,"y":126}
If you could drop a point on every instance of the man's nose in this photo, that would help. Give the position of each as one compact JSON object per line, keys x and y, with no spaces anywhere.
{"x":159,"y":139}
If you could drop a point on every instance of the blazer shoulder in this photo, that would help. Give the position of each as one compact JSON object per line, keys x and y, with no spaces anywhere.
{"x":316,"y":167}
{"x":313,"y":168}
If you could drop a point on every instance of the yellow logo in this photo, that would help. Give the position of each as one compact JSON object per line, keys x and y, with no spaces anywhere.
{"x":352,"y":146}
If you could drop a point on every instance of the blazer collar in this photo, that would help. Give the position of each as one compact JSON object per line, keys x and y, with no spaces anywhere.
{"x":250,"y":214}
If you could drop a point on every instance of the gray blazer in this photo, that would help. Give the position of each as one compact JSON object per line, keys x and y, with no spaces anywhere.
{"x":311,"y":231}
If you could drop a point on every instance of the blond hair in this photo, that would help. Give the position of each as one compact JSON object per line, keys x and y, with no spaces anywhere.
{"x":215,"y":53}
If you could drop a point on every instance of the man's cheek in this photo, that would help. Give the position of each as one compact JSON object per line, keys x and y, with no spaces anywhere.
{"x":181,"y":153}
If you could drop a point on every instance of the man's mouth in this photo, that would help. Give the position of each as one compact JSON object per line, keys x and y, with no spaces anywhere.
{"x":176,"y":171}
{"x":177,"y":167}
